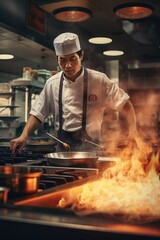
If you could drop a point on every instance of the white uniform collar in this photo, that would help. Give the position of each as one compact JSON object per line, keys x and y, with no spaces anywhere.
{"x":80,"y":77}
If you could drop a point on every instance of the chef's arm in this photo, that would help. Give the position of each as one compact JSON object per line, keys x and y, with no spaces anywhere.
{"x":130,"y":116}
{"x":19,"y":143}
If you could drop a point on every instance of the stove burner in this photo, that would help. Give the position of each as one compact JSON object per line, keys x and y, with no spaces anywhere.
{"x":24,"y":157}
{"x":51,"y":176}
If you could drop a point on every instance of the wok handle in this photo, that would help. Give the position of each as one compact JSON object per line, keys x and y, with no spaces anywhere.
{"x":98,"y":145}
{"x":66,"y":146}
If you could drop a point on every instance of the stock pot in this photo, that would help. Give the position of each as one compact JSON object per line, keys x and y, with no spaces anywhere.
{"x":20,"y":179}
{"x":3,"y":194}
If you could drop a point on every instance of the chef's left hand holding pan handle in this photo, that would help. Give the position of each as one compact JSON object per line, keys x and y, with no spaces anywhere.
{"x":17,"y":144}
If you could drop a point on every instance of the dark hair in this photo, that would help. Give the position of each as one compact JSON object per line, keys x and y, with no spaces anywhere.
{"x":79,"y":53}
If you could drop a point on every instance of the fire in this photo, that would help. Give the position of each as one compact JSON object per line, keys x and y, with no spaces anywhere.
{"x":129,"y":188}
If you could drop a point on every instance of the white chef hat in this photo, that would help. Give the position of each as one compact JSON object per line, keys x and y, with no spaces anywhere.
{"x":66,"y":43}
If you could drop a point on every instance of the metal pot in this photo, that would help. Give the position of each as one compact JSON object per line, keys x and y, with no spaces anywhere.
{"x":4,"y":194}
{"x":68,"y":159}
{"x":20,"y":179}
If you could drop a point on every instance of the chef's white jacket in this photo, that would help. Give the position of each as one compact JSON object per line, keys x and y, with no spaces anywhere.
{"x":102,"y":93}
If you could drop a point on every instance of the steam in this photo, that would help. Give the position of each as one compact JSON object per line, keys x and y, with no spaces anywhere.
{"x":115,"y":129}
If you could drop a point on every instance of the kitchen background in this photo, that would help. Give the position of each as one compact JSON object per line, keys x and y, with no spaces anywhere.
{"x":35,"y":204}
{"x":27,"y":30}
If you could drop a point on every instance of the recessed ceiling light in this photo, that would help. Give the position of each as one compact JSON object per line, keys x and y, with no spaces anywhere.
{"x":100,"y":40}
{"x":133,"y":10}
{"x":69,"y":11}
{"x":113,"y":53}
{"x":72,"y":14}
{"x":6,"y":56}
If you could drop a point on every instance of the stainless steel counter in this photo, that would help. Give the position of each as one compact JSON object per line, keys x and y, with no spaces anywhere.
{"x":38,"y":223}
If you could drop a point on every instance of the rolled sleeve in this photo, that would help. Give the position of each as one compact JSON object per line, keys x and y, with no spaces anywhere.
{"x":41,"y":108}
{"x":38,"y":115}
{"x":121,"y":100}
{"x":117,"y":97}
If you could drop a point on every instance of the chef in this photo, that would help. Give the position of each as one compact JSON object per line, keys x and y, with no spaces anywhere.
{"x":76,"y":97}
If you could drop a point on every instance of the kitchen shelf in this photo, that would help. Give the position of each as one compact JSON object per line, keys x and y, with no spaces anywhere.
{"x":8,"y":106}
{"x":6,"y":95}
{"x":21,"y":84}
{"x":29,"y":87}
{"x":8,"y":118}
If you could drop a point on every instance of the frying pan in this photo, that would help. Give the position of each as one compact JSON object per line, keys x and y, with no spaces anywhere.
{"x":68,"y":159}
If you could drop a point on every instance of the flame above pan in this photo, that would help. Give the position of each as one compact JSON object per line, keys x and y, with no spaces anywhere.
{"x":130,"y":189}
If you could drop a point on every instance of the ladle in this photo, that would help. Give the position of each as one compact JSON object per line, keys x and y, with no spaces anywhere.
{"x":66,"y":146}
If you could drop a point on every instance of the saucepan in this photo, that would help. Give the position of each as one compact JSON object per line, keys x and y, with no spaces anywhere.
{"x":4,"y":194}
{"x":20,"y":179}
{"x":70,"y":158}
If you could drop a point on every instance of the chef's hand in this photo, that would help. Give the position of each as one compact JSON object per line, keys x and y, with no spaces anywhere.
{"x":142,"y":146}
{"x":17,"y":144}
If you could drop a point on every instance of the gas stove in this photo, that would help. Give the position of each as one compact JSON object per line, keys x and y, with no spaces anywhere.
{"x":51,"y":176}
{"x":25,"y":157}
{"x":36,"y":215}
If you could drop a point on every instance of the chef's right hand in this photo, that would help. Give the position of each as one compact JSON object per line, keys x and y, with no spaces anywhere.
{"x":17,"y":144}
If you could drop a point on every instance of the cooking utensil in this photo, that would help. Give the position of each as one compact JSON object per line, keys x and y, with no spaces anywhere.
{"x":20,"y":179}
{"x":4,"y":194}
{"x":66,"y":146}
{"x":70,"y":158}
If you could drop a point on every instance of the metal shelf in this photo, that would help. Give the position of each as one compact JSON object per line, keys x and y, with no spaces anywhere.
{"x":8,"y":106}
{"x":8,"y":118}
{"x":6,"y":95}
{"x":29,"y":87}
{"x":21,"y":84}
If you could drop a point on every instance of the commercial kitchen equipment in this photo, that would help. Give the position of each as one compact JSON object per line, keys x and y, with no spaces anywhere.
{"x":36,"y":215}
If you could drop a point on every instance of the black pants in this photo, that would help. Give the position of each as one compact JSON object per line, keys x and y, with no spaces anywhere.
{"x":76,"y":140}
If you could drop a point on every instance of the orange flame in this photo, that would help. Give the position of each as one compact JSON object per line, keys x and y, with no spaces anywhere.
{"x":130,"y":188}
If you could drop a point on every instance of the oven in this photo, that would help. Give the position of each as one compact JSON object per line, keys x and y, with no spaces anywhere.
{"x":37,"y":215}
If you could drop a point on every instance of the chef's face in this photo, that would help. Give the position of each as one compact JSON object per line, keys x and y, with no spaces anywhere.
{"x":70,"y":64}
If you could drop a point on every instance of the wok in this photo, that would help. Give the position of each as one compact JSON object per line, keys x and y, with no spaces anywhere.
{"x":68,"y":159}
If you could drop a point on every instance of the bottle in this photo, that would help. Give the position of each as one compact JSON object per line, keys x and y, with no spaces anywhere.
{"x":27,"y":73}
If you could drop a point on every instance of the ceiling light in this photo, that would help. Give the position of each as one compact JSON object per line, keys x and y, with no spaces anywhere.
{"x":70,"y":10}
{"x":6,"y":56}
{"x":72,"y":14}
{"x":113,"y":53}
{"x":133,"y":10}
{"x":100,"y":40}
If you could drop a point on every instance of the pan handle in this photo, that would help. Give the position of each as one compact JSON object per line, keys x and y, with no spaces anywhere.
{"x":95,"y":144}
{"x":66,"y":146}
